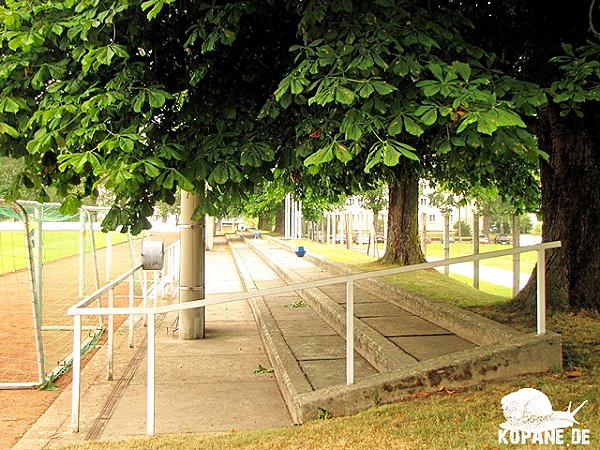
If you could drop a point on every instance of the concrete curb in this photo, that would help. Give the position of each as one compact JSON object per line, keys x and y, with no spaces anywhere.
{"x":477,"y":329}
{"x":383,"y":354}
{"x":290,"y":377}
{"x":503,"y":352}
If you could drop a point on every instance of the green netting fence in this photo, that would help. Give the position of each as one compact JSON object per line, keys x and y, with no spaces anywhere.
{"x":49,"y":261}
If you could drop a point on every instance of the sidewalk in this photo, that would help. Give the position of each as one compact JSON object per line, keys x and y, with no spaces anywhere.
{"x":206,"y":385}
{"x":403,"y":343}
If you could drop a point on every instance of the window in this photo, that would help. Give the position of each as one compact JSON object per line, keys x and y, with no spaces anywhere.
{"x":432,"y":217}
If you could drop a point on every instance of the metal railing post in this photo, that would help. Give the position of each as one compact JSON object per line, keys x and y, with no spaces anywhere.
{"x":155,"y":284}
{"x":131,"y":316}
{"x":110,"y":336}
{"x":150,"y":383}
{"x":541,"y":292}
{"x":145,"y":292}
{"x":349,"y":332}
{"x":75,"y":383}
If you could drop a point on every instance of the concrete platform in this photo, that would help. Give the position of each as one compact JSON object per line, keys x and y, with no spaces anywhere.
{"x":406,"y":342}
{"x":403,"y":343}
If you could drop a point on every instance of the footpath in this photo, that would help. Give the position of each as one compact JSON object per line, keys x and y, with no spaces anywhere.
{"x":404,"y":343}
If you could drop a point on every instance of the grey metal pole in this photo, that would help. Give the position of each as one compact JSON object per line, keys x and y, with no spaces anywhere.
{"x":446,"y":242}
{"x":475,"y":249}
{"x":191,"y":278}
{"x":516,"y":257}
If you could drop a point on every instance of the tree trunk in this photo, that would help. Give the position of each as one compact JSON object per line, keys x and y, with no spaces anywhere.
{"x":403,"y":225}
{"x":570,"y":207}
{"x":280,"y":220}
{"x":264,"y":222}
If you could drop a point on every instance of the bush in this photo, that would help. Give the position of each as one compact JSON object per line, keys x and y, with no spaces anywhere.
{"x":465,"y":228}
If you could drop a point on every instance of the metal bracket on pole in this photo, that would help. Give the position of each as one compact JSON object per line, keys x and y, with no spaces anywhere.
{"x":191,"y":225}
{"x":193,"y":289}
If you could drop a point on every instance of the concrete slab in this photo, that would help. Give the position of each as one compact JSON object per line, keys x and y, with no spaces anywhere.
{"x":305,"y":328}
{"x":428,"y":347}
{"x":403,"y":326}
{"x":325,"y":373}
{"x":216,"y":406}
{"x":379,"y":309}
{"x":317,"y":347}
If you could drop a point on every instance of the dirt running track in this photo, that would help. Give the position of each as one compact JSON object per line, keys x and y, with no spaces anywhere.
{"x":19,"y":409}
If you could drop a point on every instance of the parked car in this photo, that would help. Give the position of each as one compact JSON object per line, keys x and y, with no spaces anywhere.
{"x":451,"y":240}
{"x":361,"y":238}
{"x":502,"y":239}
{"x":340,"y":239}
{"x":483,"y":239}
{"x":427,"y":240}
{"x":380,"y":238}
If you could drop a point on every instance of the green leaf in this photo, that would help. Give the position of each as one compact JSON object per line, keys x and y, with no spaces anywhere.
{"x":322,"y":155}
{"x":138,"y":102}
{"x":444,"y":147}
{"x":366,"y":90}
{"x":391,"y":156}
{"x":464,"y":70}
{"x":342,"y":153}
{"x":351,"y":125}
{"x":373,"y":158}
{"x":157,"y":6}
{"x":7,"y":129}
{"x":412,"y":127}
{"x":485,"y":122}
{"x":408,"y":151}
{"x":156,"y":98}
{"x":429,"y":117}
{"x":436,"y":70}
{"x":344,"y":95}
{"x":507,"y":118}
{"x":382,"y":87}
{"x":429,"y":87}
{"x":395,"y":126}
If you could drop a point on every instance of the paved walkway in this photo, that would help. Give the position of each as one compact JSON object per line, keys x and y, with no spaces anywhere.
{"x":206,"y":385}
{"x":403,"y":343}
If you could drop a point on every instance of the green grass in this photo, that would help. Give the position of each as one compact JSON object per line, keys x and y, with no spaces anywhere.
{"x":527,"y":260}
{"x":57,"y":244}
{"x":444,"y":419}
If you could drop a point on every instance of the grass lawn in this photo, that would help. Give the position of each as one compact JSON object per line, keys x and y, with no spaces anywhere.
{"x":57,"y":244}
{"x":444,"y":419}
{"x":528,"y":260}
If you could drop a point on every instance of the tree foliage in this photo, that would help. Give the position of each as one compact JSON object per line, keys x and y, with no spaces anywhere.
{"x":145,"y":97}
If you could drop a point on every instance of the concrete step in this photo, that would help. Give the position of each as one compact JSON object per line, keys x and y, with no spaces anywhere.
{"x":408,"y":342}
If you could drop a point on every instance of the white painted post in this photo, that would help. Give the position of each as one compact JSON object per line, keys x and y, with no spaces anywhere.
{"x":287,"y":218}
{"x":349,"y":332}
{"x":475,"y":249}
{"x":145,"y":293}
{"x":130,"y":323}
{"x":150,"y":383}
{"x":446,"y":242}
{"x":541,"y":292}
{"x":424,"y":233}
{"x":110,"y":336}
{"x":516,"y":257}
{"x":155,"y":282}
{"x":81,"y":252}
{"x":108,"y":256}
{"x":75,"y":382}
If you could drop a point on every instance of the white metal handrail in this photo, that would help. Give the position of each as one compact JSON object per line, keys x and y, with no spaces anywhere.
{"x":79,"y":310}
{"x":168,"y":275}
